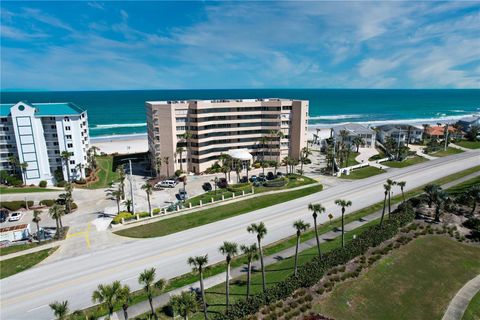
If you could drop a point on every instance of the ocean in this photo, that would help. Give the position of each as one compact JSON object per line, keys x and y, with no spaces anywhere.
{"x":117,"y":113}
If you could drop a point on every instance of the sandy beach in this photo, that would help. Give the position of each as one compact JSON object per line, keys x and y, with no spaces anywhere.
{"x":121,"y":144}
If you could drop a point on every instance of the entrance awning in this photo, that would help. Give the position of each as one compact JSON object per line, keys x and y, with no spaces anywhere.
{"x":241,"y":154}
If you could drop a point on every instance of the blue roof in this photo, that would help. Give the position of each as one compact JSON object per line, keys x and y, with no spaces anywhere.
{"x":46,"y":109}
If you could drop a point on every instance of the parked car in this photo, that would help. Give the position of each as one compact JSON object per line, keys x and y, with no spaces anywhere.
{"x":270,"y":175}
{"x":16,"y":216}
{"x":261,"y":179}
{"x":261,"y":175}
{"x":253,"y":178}
{"x":182,"y":194}
{"x":4,"y":215}
{"x":207,"y":186}
{"x":279,"y":173}
{"x":167,"y":184}
{"x":244,"y":179}
{"x":222,"y":183}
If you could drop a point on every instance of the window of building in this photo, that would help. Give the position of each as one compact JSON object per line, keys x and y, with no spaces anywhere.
{"x":55,"y":135}
{"x":5,"y":128}
{"x":53,"y":126}
{"x":286,"y":107}
{"x":57,"y":151}
{"x":181,"y":120}
{"x":69,"y":136}
{"x":52,"y":118}
{"x":72,"y":170}
{"x":4,"y":119}
{"x":66,"y":119}
{"x":58,"y":160}
{"x":67,"y":128}
{"x":180,"y":128}
{"x":70,"y":145}
{"x":72,"y":161}
{"x":55,"y":143}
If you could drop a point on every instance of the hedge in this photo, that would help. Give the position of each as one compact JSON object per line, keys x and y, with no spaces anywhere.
{"x":15,"y":205}
{"x":310,"y":273}
{"x":280,"y":182}
{"x":128,"y":216}
{"x":48,"y":202}
{"x":42,"y":184}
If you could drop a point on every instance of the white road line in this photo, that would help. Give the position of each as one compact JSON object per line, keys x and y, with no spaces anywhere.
{"x":42,"y":306}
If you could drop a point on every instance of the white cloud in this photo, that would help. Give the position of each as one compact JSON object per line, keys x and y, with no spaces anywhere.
{"x":46,"y":18}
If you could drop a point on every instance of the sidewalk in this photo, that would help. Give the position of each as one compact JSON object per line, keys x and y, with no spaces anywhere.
{"x":458,"y":147}
{"x":419,"y":151}
{"x":459,"y":303}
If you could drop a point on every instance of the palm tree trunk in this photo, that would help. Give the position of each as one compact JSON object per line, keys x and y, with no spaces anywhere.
{"x":389,"y":204}
{"x":204,"y":302}
{"x":403,"y":196}
{"x":125,"y":313}
{"x":149,"y":206}
{"x":151,"y":306}
{"x":118,"y":207}
{"x":383,"y":211}
{"x":227,"y":287}
{"x":181,"y":162}
{"x":343,"y":227}
{"x":473,"y":207}
{"x":38,"y":233}
{"x":316,"y":236}
{"x":58,"y":228}
{"x":249,"y":271}
{"x":296,"y":255}
{"x":264,"y":284}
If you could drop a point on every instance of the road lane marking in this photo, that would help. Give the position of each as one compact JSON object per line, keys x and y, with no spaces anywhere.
{"x":85,"y":233}
{"x":42,"y":306}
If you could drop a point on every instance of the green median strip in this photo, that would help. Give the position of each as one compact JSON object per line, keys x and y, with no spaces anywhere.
{"x":404,"y":163}
{"x":362,"y":173}
{"x":12,"y":190}
{"x":199,"y":218}
{"x":18,"y":264}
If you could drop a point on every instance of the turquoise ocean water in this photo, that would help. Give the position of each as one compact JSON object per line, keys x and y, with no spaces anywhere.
{"x":123,"y":112}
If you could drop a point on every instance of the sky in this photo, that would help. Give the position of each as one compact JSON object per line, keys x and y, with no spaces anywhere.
{"x":118,"y":45}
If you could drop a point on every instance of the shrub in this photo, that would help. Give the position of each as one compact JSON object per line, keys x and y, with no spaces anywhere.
{"x":303,"y":308}
{"x":9,"y":179}
{"x":74,"y":206}
{"x":61,"y":184}
{"x":156,"y":211}
{"x":178,"y":172}
{"x":279,"y":182}
{"x":15,"y":205}
{"x":47,"y":202}
{"x":125,"y":215}
{"x":81,"y":181}
{"x":42,"y":184}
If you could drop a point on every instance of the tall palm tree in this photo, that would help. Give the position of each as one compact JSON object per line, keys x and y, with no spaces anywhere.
{"x":402,"y":185}
{"x":68,"y":196}
{"x":187,"y":137}
{"x":180,"y":151}
{"x":117,"y":195}
{"x":13,"y":161}
{"x":121,"y":179}
{"x":107,"y":295}
{"x":56,"y":212}
{"x":263,"y":142}
{"x":184,"y":304}
{"x":440,"y":198}
{"x":166,"y":160}
{"x":147,"y":280}
{"x":124,"y":297}
{"x":65,"y":156}
{"x":391,"y":183}
{"x":261,"y":232}
{"x":158,"y":165}
{"x":80,"y":168}
{"x":431,"y":189}
{"x":94,"y":150}
{"x":198,"y":264}
{"x":305,"y":152}
{"x":60,"y":309}
{"x":473,"y":196}
{"x":280,"y":136}
{"x":251,"y":253}
{"x":23,"y":167}
{"x":300,"y":226}
{"x":343,"y":204}
{"x":316,"y":208}
{"x":148,"y":190}
{"x":128,"y":203}
{"x":358,"y":141}
{"x":36,"y":219}
{"x":386,"y":189}
{"x":229,"y":250}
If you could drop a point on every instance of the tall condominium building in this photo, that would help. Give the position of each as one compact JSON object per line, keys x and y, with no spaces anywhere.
{"x":38,"y":133}
{"x":205,"y":129}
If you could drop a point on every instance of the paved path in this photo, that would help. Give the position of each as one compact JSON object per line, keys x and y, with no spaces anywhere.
{"x":419,"y":151}
{"x":161,"y":300}
{"x":75,"y":278}
{"x":456,"y":146}
{"x":459,"y":303}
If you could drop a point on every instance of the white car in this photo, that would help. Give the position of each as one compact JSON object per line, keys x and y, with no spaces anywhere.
{"x":16,"y":216}
{"x":167,"y":184}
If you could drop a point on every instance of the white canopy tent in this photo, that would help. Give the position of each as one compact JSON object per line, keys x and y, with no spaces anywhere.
{"x":241,"y":154}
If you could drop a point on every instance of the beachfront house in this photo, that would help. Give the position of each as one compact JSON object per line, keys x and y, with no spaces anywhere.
{"x":403,"y":133}
{"x":438,"y":132}
{"x":468,"y":122}
{"x":193,"y":134}
{"x":33,"y":137}
{"x":349,"y":131}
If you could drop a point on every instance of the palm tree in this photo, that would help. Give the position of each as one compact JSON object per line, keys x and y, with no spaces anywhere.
{"x":94,"y":149}
{"x":402,"y":184}
{"x":285,"y":162}
{"x":316,"y":208}
{"x":280,"y":136}
{"x":358,"y":141}
{"x":198,"y":264}
{"x":251,"y":253}
{"x":430,"y":189}
{"x":121,"y":179}
{"x":147,"y":279}
{"x":305,"y":152}
{"x":167,"y":161}
{"x":158,"y":165}
{"x":391,"y":183}
{"x":343,"y":204}
{"x":440,"y":198}
{"x":117,"y":195}
{"x":23,"y":167}
{"x":128,"y":203}
{"x":263,"y":142}
{"x":60,"y":309}
{"x":261,"y":231}
{"x":387,"y":189}
{"x":68,"y":197}
{"x":65,"y":156}
{"x":187,"y":137}
{"x":107,"y":294}
{"x":180,"y":151}
{"x":36,"y":219}
{"x":229,"y":250}
{"x":80,"y":168}
{"x":124,"y":297}
{"x":300,"y":226}
{"x":473,"y":196}
{"x":56,"y":212}
{"x":13,"y":161}
{"x":184,"y":304}
{"x":148,"y":190}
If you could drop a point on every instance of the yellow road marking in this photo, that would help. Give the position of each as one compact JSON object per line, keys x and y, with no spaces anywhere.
{"x":82,"y":233}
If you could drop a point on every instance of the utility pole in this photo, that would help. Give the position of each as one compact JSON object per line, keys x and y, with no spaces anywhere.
{"x":398,"y":146}
{"x":445,"y":136}
{"x":131,"y":186}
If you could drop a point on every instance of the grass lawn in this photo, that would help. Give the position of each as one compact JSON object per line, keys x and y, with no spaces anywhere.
{"x":416,"y":281}
{"x":448,"y":152}
{"x":105,"y":173}
{"x":378,"y":156}
{"x":404,"y":163}
{"x":473,"y":309}
{"x":21,"y":247}
{"x":362,"y":173}
{"x":15,"y":265}
{"x":462,"y":187}
{"x":9,"y":190}
{"x":351,"y":159}
{"x":469,"y":144}
{"x":195,"y":219}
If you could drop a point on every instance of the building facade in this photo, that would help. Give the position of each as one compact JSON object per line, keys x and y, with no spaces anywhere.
{"x":468,"y":122}
{"x":353,"y":130}
{"x":38,"y":133}
{"x":192,"y":134}
{"x":400,"y":133}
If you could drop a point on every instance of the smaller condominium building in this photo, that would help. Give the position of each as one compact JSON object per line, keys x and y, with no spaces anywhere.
{"x":193,"y":134}
{"x":349,"y":131}
{"x":38,"y":133}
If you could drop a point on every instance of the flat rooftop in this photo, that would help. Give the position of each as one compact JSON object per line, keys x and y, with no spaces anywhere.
{"x":220,"y":100}
{"x":46,"y":109}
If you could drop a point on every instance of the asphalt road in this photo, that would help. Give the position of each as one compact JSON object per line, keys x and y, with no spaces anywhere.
{"x":27,"y":294}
